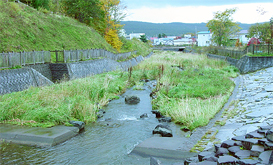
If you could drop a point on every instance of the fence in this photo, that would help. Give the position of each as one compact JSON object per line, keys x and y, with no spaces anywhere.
{"x":67,"y":56}
{"x":261,"y":49}
{"x":13,"y":59}
{"x":237,"y":54}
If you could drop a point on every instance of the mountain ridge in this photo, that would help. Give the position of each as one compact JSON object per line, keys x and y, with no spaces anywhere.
{"x":170,"y":29}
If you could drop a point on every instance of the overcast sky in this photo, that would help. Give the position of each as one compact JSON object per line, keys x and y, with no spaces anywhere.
{"x":196,"y":11}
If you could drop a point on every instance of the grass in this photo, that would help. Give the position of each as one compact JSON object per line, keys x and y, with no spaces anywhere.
{"x":80,"y":99}
{"x":25,"y":29}
{"x":192,"y":96}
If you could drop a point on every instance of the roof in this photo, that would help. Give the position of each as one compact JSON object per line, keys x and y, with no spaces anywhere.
{"x":243,"y":32}
{"x":204,"y":32}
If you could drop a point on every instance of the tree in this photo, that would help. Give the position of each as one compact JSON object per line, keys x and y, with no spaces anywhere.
{"x":260,"y":31}
{"x":222,"y":27}
{"x":40,"y":3}
{"x":143,"y":38}
{"x":112,"y":17}
{"x":86,"y":11}
{"x":159,"y":36}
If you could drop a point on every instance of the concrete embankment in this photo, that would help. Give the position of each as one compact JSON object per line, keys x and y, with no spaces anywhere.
{"x":15,"y":80}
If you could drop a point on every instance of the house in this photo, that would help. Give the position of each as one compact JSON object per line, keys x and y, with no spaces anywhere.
{"x":242,"y":36}
{"x":135,"y":35}
{"x":164,"y":41}
{"x":204,"y":38}
{"x":184,"y":41}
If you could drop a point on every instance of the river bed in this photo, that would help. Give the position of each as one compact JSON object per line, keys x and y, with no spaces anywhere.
{"x":108,"y":141}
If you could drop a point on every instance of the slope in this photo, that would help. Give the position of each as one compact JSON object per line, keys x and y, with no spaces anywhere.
{"x":23,"y":28}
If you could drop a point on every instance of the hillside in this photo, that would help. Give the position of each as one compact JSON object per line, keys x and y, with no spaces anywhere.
{"x":170,"y":29}
{"x":23,"y":28}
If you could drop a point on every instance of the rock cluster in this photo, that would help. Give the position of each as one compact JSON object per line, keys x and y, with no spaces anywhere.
{"x":254,"y":148}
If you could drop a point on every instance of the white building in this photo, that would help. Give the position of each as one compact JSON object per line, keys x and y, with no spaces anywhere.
{"x":204,"y":38}
{"x":136,"y":35}
{"x":183,"y":41}
{"x":243,"y":36}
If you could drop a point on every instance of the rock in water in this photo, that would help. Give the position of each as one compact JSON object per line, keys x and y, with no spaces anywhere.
{"x":163,"y":130}
{"x":78,"y":124}
{"x":132,"y":99}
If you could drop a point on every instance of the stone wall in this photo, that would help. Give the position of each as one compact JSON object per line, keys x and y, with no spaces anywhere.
{"x":15,"y":80}
{"x":247,"y":64}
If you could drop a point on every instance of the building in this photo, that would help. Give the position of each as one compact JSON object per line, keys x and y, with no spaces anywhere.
{"x":242,"y":36}
{"x":184,"y":41}
{"x":204,"y":38}
{"x":135,"y":35}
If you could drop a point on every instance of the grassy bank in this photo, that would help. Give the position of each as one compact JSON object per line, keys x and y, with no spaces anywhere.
{"x":191,"y":97}
{"x":25,"y":29}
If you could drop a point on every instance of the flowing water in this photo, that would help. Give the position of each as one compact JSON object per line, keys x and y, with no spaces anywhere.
{"x":108,"y":141}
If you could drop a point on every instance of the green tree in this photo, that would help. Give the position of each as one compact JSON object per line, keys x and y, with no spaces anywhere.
{"x":40,"y":3}
{"x":143,"y":38}
{"x":261,"y":31}
{"x":159,"y":35}
{"x":86,"y":11}
{"x":222,"y":27}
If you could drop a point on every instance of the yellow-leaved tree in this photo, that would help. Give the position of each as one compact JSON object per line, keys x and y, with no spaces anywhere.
{"x":113,"y":16}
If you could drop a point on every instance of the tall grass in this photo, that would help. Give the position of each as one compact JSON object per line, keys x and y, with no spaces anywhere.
{"x":192,"y":88}
{"x":191,"y":96}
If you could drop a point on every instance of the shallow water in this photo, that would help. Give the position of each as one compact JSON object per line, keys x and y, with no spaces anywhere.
{"x":108,"y":141}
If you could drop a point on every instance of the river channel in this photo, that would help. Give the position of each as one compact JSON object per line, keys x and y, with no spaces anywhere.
{"x":108,"y":141}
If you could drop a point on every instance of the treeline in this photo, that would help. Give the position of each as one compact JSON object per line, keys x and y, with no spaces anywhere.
{"x":102,"y":15}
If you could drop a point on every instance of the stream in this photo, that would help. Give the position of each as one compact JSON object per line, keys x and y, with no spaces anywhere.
{"x":108,"y":141}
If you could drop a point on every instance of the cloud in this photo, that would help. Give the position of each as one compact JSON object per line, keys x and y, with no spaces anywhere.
{"x":246,"y":13}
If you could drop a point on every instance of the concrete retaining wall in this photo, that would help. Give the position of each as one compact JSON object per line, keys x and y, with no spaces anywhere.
{"x":15,"y":80}
{"x":44,"y":69}
{"x":247,"y":64}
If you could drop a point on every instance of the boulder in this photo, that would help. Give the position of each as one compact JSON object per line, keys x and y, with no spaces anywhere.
{"x":269,"y":135}
{"x":204,"y":154}
{"x":157,"y":113}
{"x":165,"y":119}
{"x":227,"y":160}
{"x":154,"y":161}
{"x":132,"y":99}
{"x":221,"y":152}
{"x":100,"y":113}
{"x":163,"y":130}
{"x":78,"y":124}
{"x":191,"y":160}
{"x":145,"y":115}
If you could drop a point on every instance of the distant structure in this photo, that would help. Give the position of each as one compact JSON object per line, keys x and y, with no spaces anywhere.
{"x":134,"y":35}
{"x":204,"y":38}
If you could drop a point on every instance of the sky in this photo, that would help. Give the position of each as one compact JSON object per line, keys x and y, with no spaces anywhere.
{"x":197,"y":11}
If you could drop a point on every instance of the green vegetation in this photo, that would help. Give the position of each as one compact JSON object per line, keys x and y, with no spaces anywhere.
{"x":192,"y":96}
{"x":184,"y":95}
{"x":222,"y":27}
{"x":25,"y":29}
